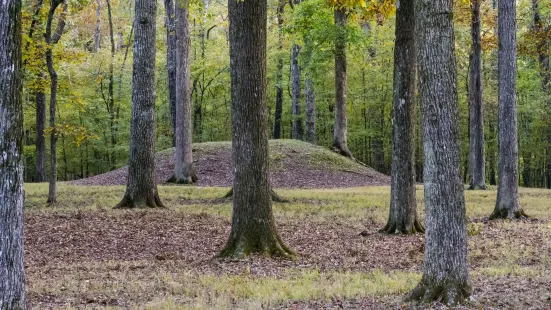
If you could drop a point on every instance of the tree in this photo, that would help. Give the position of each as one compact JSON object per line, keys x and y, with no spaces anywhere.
{"x":253,"y":225}
{"x":12,"y":270}
{"x":51,"y":40}
{"x":141,"y":187}
{"x":296,"y":94}
{"x":184,"y":171}
{"x":341,"y":122}
{"x":403,"y":207}
{"x":445,"y":269}
{"x":477,"y":162}
{"x":113,"y":111}
{"x":310,"y":107}
{"x":507,"y":203}
{"x":279,"y":75}
{"x":171,"y":63}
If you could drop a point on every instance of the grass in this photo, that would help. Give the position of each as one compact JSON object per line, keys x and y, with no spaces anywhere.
{"x":515,"y":251}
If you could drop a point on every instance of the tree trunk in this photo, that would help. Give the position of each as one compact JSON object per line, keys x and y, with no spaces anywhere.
{"x":253,"y":225}
{"x":97,"y":33}
{"x":171,"y":63}
{"x":507,"y":203}
{"x":492,"y":155}
{"x":310,"y":110}
{"x":445,"y":271}
{"x":477,"y":162}
{"x":403,"y":207}
{"x":184,"y":171}
{"x":40,"y":162}
{"x":297,"y":133}
{"x":341,"y":123}
{"x":141,"y":187}
{"x":12,"y":270}
{"x":50,"y":41}
{"x":111,"y":96}
{"x":279,"y":74}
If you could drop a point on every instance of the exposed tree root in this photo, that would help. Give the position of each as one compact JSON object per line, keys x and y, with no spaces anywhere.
{"x":183,"y":179}
{"x":344,"y":152}
{"x":446,"y":293}
{"x":129,"y":203}
{"x":477,"y":187}
{"x":273,"y":194}
{"x":241,"y":247}
{"x":507,"y":214}
{"x":392,"y":227}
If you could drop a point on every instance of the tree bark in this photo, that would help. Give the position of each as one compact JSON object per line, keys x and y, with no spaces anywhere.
{"x":310,"y":110}
{"x":141,"y":188}
{"x":111,"y":96}
{"x":97,"y":33}
{"x":12,"y":270}
{"x":40,"y":162}
{"x":171,"y":63}
{"x":184,"y":171}
{"x":477,"y":160}
{"x":403,"y":206}
{"x":50,"y":41}
{"x":341,"y":122}
{"x":445,"y":269}
{"x":297,"y":133}
{"x":253,"y":225}
{"x":279,"y":73}
{"x":507,"y":203}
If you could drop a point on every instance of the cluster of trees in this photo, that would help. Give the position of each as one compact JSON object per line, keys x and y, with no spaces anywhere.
{"x":425,"y":47}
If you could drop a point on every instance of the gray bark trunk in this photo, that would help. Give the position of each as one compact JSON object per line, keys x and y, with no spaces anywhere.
{"x":184,"y":171}
{"x":111,"y":96}
{"x":341,"y":122}
{"x":141,"y":188}
{"x":40,"y":162}
{"x":50,"y":41}
{"x":279,"y":74}
{"x":403,"y":206}
{"x":12,"y":270}
{"x":507,"y":203}
{"x":477,"y":162}
{"x":171,"y":63}
{"x":253,"y":225}
{"x":445,"y":270}
{"x":296,"y":94}
{"x":310,"y":110}
{"x":97,"y":33}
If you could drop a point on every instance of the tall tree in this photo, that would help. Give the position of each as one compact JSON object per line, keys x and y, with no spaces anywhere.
{"x":507,"y":203}
{"x":477,"y":160}
{"x":113,"y":114}
{"x":184,"y":171}
{"x":97,"y":33}
{"x":51,"y":40}
{"x":310,"y":108}
{"x":171,"y":63}
{"x":445,"y":269}
{"x":279,"y":73}
{"x":253,"y":225}
{"x":296,"y":93}
{"x":141,"y":187}
{"x":403,"y":207}
{"x":341,"y":122}
{"x":12,"y":270}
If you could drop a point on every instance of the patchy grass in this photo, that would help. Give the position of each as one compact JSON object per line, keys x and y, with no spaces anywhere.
{"x":82,"y":253}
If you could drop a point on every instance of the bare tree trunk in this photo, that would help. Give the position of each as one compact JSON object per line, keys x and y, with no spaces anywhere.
{"x":50,"y":41}
{"x":97,"y":33}
{"x":141,"y":187}
{"x":297,"y":133}
{"x":507,"y":204}
{"x":12,"y":269}
{"x":279,"y":74}
{"x":477,"y":160}
{"x":171,"y":63}
{"x":492,"y":155}
{"x":310,"y":110}
{"x":445,"y":270}
{"x":403,"y":206}
{"x":341,"y":122}
{"x":111,"y":96}
{"x":184,"y":171}
{"x":40,"y":162}
{"x":253,"y":225}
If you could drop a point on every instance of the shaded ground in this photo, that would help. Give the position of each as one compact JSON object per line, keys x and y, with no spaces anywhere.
{"x":293,"y":164}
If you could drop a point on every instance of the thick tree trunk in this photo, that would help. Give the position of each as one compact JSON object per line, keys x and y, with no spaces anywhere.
{"x":50,"y":41}
{"x":507,"y":203}
{"x":341,"y":123}
{"x":12,"y":270}
{"x":279,"y":74}
{"x":445,"y":269}
{"x":184,"y":171}
{"x":310,"y":111}
{"x":40,"y":162}
{"x":492,"y":156}
{"x":477,"y":160}
{"x":171,"y":63}
{"x":296,"y":94}
{"x":97,"y":33}
{"x":141,"y":189}
{"x":403,"y":206}
{"x":253,"y":225}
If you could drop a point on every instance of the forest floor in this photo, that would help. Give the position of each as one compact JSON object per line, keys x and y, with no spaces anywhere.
{"x":293,"y":164}
{"x":82,"y":253}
